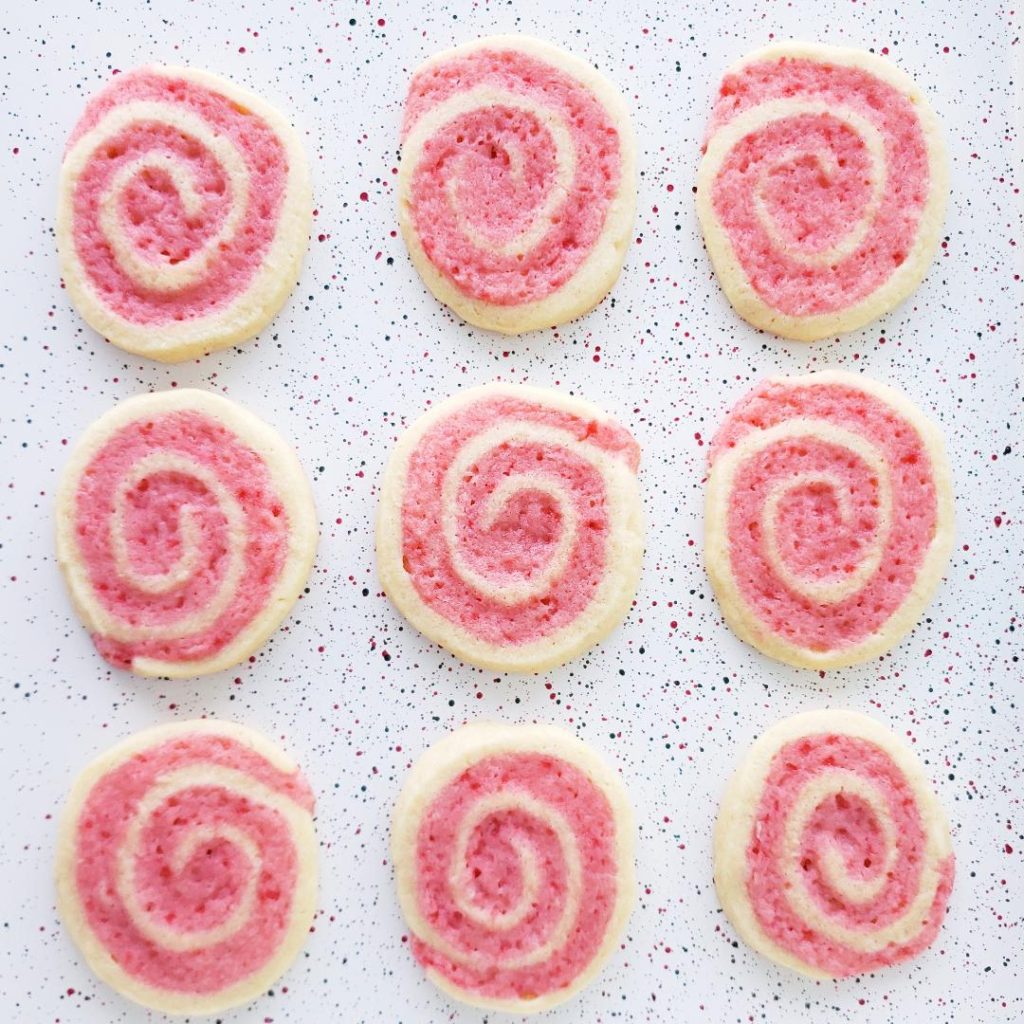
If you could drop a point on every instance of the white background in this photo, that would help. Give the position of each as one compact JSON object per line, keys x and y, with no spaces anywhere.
{"x":357,"y":353}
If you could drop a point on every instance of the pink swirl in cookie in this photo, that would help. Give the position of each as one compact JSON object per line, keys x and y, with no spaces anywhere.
{"x":181,"y":539}
{"x":183,"y":211}
{"x":822,"y":182}
{"x":177,"y":198}
{"x":844,"y":871}
{"x":512,"y":165}
{"x":518,"y":526}
{"x":516,"y":876}
{"x":828,"y":517}
{"x":191,"y":864}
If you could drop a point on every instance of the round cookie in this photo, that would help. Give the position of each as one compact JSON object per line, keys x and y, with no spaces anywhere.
{"x":822,"y":188}
{"x":832,"y":854}
{"x":510,"y":527}
{"x":829,"y":518}
{"x":187,"y":866}
{"x":184,"y":212}
{"x":517,"y":186}
{"x":513,"y":849}
{"x":185,"y":530}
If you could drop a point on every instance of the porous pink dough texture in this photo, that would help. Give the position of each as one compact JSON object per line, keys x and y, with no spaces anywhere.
{"x":493,"y":866}
{"x":207,"y":889}
{"x":475,"y":151}
{"x":811,"y":209}
{"x":154,"y":542}
{"x":151,"y":210}
{"x":815,"y":543}
{"x":846,"y":823}
{"x":523,"y":537}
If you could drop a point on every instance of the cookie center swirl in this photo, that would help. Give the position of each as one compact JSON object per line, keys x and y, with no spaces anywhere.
{"x":844,"y":864}
{"x":514,"y":545}
{"x":163,"y":874}
{"x":510,"y":167}
{"x":194,"y":519}
{"x":845,"y":825}
{"x":199,"y":192}
{"x":789,"y":525}
{"x":208,"y":531}
{"x":825,"y":164}
{"x":518,"y":841}
{"x":528,"y":167}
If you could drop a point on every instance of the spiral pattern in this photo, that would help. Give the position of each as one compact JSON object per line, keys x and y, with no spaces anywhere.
{"x":513,"y":849}
{"x":822,"y":188}
{"x":184,"y":212}
{"x":517,"y":183}
{"x":510,"y":528}
{"x":829,"y":518}
{"x":186,"y":531}
{"x":187,"y":866}
{"x":832,"y":854}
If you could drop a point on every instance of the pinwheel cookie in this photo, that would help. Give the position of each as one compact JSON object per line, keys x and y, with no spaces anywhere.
{"x":822,"y":188}
{"x":517,"y":186}
{"x":187,"y":866}
{"x":513,"y":852}
{"x":184,"y":212}
{"x":829,"y":518}
{"x":185,"y":530}
{"x":832,"y":854}
{"x":510,"y":528}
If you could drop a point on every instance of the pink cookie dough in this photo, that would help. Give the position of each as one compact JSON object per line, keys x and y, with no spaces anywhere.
{"x":186,"y":867}
{"x":509,"y":524}
{"x":822,"y":188}
{"x":517,"y":182}
{"x":185,"y":529}
{"x":513,"y":855}
{"x":832,"y":854}
{"x":829,"y":517}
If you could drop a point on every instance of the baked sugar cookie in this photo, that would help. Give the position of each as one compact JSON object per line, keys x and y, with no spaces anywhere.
{"x":822,"y":188}
{"x":832,"y":854}
{"x":185,"y":531}
{"x":829,"y":518}
{"x":517,"y":187}
{"x":187,"y":866}
{"x":510,"y":528}
{"x":184,"y":212}
{"x":513,"y":853}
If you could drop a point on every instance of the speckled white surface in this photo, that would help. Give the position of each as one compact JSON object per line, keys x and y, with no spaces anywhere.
{"x":672,"y":698}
